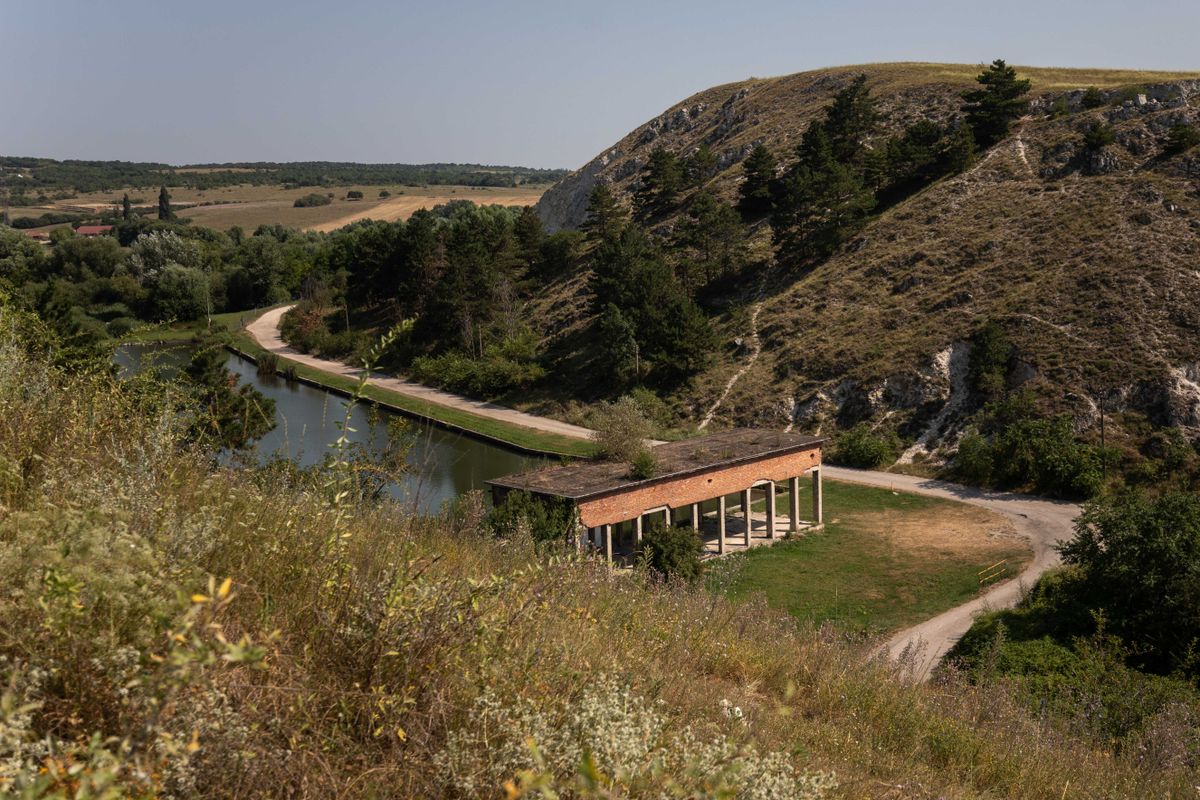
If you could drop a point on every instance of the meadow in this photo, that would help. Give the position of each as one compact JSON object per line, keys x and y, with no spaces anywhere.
{"x":885,"y":560}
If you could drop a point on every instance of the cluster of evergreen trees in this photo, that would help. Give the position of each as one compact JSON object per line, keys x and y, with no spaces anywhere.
{"x":840,"y":174}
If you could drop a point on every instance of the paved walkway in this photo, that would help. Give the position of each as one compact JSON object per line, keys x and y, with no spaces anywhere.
{"x":265,"y":331}
{"x":1043,"y":522}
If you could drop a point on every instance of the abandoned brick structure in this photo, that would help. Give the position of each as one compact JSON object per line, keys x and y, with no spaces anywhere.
{"x":693,"y":482}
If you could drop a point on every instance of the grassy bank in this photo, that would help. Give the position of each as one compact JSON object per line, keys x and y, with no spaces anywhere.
{"x":517,"y":436}
{"x":885,"y":560}
{"x":183,"y":331}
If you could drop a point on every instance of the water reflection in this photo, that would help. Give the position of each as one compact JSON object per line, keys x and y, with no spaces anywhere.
{"x":443,"y":464}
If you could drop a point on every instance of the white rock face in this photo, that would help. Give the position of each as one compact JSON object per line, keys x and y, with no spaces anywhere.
{"x":564,"y":205}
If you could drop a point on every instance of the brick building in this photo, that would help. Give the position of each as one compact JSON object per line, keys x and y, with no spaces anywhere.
{"x":694,"y":481}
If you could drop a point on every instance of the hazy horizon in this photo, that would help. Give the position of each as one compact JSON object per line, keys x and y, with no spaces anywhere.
{"x":535,"y":84}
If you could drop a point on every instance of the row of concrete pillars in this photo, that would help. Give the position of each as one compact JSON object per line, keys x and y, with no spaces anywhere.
{"x":601,"y":537}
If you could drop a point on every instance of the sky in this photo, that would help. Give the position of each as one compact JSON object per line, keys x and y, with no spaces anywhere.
{"x":537,"y":83}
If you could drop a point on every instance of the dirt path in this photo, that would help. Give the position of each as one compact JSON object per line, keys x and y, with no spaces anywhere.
{"x":265,"y":331}
{"x":1043,"y":522}
{"x":755,"y":351}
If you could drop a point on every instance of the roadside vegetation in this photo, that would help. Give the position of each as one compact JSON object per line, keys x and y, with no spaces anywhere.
{"x":173,"y":627}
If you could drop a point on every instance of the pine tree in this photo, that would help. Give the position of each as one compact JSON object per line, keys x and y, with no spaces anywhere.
{"x":990,"y":111}
{"x":821,"y":203}
{"x":662,"y":178}
{"x":126,"y":208}
{"x":605,"y":216}
{"x":701,"y":166}
{"x":850,"y":119}
{"x":755,"y":192}
{"x":715,"y":237}
{"x":619,"y":356}
{"x":959,"y":149}
{"x":164,"y":205}
{"x":529,"y":235}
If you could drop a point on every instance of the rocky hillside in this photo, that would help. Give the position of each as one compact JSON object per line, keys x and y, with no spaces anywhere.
{"x":1090,"y":259}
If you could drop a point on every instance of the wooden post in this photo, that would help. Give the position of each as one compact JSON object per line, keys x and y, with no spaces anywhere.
{"x":746,"y":498}
{"x":771,"y":510}
{"x":721,"y":525}
{"x":794,"y":503}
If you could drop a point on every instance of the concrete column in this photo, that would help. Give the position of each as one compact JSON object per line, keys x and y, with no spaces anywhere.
{"x":669,"y":516}
{"x":818,"y":499}
{"x":794,"y":503}
{"x":608,"y":542}
{"x":746,"y":512}
{"x":637,"y":529}
{"x":771,"y":510}
{"x":695,"y":516}
{"x":721,"y":525}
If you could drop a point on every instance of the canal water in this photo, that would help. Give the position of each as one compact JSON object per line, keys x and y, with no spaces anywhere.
{"x":442,"y":464}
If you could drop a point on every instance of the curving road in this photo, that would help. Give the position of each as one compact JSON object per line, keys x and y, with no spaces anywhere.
{"x":1044,"y":522}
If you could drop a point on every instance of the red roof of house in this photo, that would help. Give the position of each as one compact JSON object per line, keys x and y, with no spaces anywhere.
{"x":93,"y":230}
{"x":37,"y":234}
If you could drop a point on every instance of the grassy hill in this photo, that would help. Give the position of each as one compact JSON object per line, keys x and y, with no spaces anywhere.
{"x":176,"y":628}
{"x":1090,"y":266}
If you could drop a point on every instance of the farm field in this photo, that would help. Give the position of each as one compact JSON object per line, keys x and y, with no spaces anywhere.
{"x":885,"y":559}
{"x":250,"y":206}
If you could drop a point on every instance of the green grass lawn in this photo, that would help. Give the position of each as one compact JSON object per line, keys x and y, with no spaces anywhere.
{"x":181,"y":332}
{"x":855,"y":574}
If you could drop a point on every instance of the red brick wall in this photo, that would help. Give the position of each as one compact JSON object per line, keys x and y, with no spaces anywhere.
{"x":681,"y":492}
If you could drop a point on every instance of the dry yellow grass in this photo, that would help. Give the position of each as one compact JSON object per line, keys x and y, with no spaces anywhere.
{"x":250,"y":206}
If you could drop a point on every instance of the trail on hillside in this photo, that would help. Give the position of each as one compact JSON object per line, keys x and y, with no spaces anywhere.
{"x":755,"y":350}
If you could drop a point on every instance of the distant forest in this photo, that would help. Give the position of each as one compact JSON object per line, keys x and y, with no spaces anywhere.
{"x":48,"y":175}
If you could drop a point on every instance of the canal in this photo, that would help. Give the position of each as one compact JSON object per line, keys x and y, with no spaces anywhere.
{"x":442,"y":464}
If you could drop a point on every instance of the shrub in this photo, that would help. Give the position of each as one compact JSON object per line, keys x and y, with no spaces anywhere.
{"x":384,"y":193}
{"x":1099,"y":135}
{"x":672,"y":551}
{"x":862,"y":448}
{"x":619,"y":430}
{"x":543,"y":519}
{"x":1182,"y":137}
{"x":354,"y":194}
{"x":643,"y":466}
{"x":268,"y":364}
{"x":1093,"y":98}
{"x":973,"y":461}
{"x":310,"y":200}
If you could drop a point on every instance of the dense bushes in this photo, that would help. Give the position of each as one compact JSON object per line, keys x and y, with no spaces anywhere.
{"x":864,"y":448}
{"x":1017,"y":449}
{"x":672,"y":551}
{"x":311,"y":200}
{"x":541,"y":519}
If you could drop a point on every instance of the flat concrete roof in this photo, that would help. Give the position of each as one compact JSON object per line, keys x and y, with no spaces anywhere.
{"x":588,"y":479}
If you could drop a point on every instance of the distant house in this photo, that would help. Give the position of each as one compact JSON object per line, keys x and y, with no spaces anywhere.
{"x":93,"y":230}
{"x":39,"y":236}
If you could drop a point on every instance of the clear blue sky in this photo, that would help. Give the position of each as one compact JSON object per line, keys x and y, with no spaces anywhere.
{"x":534,"y":83}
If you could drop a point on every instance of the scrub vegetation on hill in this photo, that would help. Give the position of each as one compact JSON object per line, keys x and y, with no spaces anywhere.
{"x":177,"y":628}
